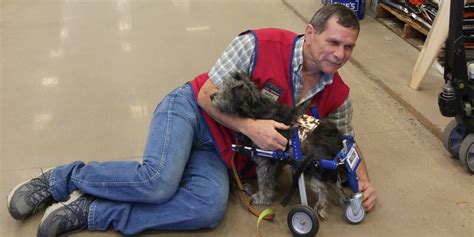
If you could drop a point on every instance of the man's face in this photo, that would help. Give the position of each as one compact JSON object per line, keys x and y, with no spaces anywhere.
{"x":327,"y":51}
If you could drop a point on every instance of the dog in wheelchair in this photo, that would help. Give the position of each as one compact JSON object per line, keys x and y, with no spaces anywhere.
{"x":241,"y":97}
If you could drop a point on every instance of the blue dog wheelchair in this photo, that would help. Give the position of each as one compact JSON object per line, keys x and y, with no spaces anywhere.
{"x":302,"y":219}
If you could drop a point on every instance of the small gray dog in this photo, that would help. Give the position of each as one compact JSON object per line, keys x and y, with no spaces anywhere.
{"x":241,"y":97}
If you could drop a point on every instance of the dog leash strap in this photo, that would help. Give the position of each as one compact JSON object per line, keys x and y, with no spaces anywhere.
{"x":243,"y":195}
{"x":265,"y":213}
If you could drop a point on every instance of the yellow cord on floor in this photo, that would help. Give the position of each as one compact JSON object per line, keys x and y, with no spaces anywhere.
{"x":267,"y":214}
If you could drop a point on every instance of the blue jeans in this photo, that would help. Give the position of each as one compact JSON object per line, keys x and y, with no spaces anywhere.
{"x":182,"y":183}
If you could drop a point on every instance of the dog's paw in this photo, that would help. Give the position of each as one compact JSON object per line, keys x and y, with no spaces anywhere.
{"x":322,"y":213}
{"x":260,"y":199}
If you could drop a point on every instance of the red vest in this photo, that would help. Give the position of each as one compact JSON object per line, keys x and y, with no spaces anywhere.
{"x":273,"y":64}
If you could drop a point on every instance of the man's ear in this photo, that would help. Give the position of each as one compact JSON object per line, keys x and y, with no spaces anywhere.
{"x":308,"y":30}
{"x":308,"y":33}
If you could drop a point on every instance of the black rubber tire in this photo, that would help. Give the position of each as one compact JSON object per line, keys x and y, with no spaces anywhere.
{"x":349,"y":216}
{"x":466,"y":153}
{"x":303,"y":221}
{"x":453,"y":136}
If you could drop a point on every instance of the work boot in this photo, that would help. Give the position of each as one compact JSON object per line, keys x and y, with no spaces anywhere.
{"x":66,"y":217}
{"x":30,"y":196}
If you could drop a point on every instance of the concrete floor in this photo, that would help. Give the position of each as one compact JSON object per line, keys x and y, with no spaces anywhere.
{"x":80,"y":80}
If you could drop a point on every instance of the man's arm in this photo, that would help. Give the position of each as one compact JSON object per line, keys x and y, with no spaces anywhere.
{"x":342,"y":117}
{"x":364,"y":184}
{"x":262,"y":132}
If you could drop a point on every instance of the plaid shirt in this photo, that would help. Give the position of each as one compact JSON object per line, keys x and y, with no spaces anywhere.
{"x":239,"y":57}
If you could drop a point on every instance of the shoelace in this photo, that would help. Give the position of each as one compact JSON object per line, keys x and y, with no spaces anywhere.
{"x":38,"y":190}
{"x":75,"y":215}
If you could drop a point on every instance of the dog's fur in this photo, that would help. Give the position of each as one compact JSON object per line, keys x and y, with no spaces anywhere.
{"x":241,"y":97}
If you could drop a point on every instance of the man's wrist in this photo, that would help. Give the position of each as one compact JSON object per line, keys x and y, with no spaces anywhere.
{"x":362,"y":176}
{"x":244,"y":125}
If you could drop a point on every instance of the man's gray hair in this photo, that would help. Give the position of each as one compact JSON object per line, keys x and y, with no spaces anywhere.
{"x":346,"y":17}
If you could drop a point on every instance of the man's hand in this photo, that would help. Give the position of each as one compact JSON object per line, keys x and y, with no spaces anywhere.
{"x":265,"y":135}
{"x":369,"y":195}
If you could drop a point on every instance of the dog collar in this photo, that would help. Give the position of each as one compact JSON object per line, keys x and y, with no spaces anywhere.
{"x":306,"y":125}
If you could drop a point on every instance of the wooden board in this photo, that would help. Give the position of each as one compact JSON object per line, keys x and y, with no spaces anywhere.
{"x":434,"y":42}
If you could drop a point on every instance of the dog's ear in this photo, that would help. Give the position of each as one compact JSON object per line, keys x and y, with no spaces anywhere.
{"x":246,"y":91}
{"x":240,"y":76}
{"x":328,"y":128}
{"x":241,"y":97}
{"x":327,"y":135}
{"x":235,"y":76}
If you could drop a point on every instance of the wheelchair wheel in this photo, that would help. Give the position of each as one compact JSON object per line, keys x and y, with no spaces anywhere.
{"x":303,"y":221}
{"x":466,"y":153}
{"x":352,"y":218}
{"x":453,"y":135}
